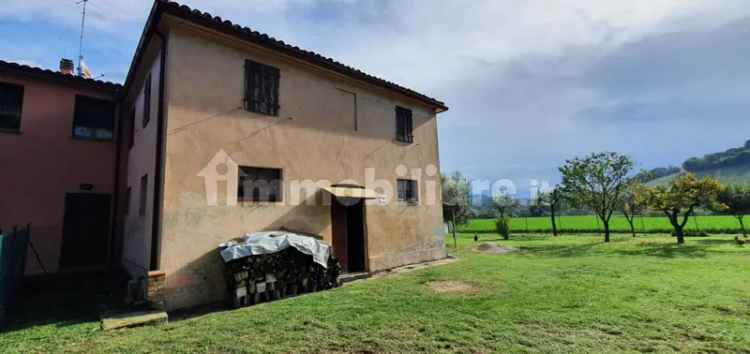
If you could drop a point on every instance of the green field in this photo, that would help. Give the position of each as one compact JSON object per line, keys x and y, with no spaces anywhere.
{"x":558,"y":294}
{"x":588,"y":224}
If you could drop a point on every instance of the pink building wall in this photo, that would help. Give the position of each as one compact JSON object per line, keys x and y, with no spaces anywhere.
{"x":138,"y":161}
{"x":43,"y":162}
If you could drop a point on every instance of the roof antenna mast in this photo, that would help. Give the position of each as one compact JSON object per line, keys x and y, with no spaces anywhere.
{"x":80,"y":40}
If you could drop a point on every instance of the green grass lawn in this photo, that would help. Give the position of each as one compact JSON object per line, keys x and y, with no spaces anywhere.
{"x":565,"y":294}
{"x":588,"y":224}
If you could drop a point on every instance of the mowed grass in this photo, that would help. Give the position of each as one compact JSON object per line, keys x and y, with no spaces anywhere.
{"x":563,"y":294}
{"x":590,"y":224}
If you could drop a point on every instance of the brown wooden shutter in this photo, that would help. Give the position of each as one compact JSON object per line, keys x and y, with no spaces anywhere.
{"x":404,"y":125}
{"x":261,"y":88}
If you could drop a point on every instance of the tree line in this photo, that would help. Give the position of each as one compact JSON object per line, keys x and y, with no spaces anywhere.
{"x":605,"y":183}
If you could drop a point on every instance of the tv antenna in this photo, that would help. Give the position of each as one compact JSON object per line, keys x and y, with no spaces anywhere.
{"x":80,"y":40}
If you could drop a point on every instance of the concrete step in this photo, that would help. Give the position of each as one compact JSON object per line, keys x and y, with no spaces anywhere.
{"x":349,"y":277}
{"x":133,"y":319}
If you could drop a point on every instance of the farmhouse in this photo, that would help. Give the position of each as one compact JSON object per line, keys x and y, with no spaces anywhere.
{"x":219,"y":131}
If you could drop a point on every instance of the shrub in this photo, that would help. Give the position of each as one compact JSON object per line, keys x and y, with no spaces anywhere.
{"x":503,"y":227}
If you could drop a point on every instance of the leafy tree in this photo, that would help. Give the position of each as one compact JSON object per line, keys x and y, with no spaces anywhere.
{"x":597,"y":181}
{"x":632,"y":206}
{"x":551,"y":200}
{"x":502,"y":223}
{"x":680,"y":198}
{"x":735,"y":200}
{"x":505,"y":205}
{"x":457,"y":193}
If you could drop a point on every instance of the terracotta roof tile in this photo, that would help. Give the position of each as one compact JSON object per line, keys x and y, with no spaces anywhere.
{"x":6,"y":66}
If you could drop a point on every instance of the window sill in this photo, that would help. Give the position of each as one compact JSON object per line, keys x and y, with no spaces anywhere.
{"x":92,"y":139}
{"x":266,"y":114}
{"x":408,"y":202}
{"x":258,"y":202}
{"x":12,"y":131}
{"x":402,"y":142}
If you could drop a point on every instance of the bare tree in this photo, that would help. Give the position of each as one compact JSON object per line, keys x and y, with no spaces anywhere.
{"x":551,"y":201}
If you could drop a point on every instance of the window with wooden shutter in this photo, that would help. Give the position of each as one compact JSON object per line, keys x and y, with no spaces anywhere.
{"x":261,"y":88}
{"x":404,"y":125}
{"x":11,"y":102}
{"x":407,"y":191}
{"x":147,"y":101}
{"x":143,"y":195}
{"x":131,"y":136}
{"x":126,"y":207}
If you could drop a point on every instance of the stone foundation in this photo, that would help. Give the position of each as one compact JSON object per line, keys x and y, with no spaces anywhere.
{"x":155,"y":294}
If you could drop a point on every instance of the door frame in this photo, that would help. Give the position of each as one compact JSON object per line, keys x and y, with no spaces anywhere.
{"x":105,"y":265}
{"x":365,"y":246}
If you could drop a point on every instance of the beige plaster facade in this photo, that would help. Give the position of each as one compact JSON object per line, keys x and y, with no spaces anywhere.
{"x":330,"y":129}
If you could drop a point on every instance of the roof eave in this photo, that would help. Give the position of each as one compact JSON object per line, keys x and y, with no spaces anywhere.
{"x":57,"y":77}
{"x":246,"y":34}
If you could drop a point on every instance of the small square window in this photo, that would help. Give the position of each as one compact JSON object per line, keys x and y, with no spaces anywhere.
{"x":258,"y":184}
{"x":93,"y":118}
{"x":11,"y":104}
{"x":407,"y":191}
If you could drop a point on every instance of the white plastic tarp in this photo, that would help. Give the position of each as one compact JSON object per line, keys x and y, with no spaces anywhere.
{"x":266,"y":242}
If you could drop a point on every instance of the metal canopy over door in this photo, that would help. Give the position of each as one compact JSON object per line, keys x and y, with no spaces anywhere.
{"x":347,"y":218}
{"x":85,"y":230}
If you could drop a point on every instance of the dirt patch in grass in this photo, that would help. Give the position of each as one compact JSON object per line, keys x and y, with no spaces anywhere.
{"x":452,"y":287}
{"x":492,"y":248}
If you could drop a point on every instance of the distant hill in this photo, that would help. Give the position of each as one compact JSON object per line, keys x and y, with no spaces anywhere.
{"x":729,"y":167}
{"x":727,"y":175}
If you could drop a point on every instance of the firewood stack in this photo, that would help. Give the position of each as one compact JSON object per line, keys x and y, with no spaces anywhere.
{"x":279,"y":275}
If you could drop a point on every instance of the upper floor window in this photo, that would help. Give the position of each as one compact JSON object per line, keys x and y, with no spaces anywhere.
{"x":11,"y":102}
{"x":261,"y":88}
{"x":131,"y":136}
{"x":143,"y":196}
{"x":258,"y":184}
{"x":407,"y":191}
{"x":147,"y":101}
{"x":404,"y":125}
{"x":126,"y":208}
{"x":93,"y":118}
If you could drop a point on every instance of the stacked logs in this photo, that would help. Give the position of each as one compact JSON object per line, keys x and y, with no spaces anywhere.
{"x":269,"y":277}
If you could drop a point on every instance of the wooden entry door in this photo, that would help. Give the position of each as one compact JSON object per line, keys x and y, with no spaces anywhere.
{"x":85,"y":230}
{"x":347,"y":219}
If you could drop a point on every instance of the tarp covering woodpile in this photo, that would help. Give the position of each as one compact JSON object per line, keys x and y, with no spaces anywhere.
{"x":275,"y":241}
{"x":265,"y":266}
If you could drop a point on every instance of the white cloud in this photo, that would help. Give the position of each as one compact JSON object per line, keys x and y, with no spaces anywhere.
{"x":513,"y":68}
{"x":438,"y":37}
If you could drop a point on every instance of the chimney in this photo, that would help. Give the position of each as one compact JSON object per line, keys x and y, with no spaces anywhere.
{"x":66,"y":67}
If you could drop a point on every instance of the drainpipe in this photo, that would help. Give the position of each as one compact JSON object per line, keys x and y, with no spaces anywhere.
{"x":115,"y":191}
{"x":158,"y":172}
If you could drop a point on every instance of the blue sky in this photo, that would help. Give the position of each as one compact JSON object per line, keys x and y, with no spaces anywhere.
{"x":529,"y":83}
